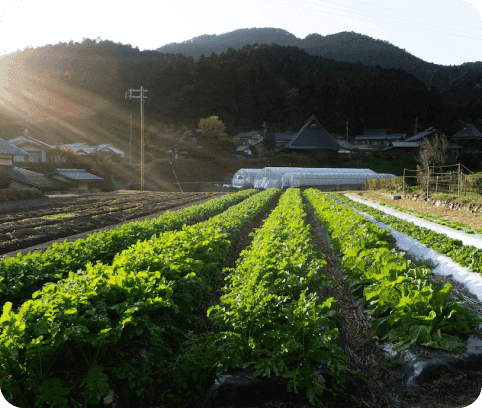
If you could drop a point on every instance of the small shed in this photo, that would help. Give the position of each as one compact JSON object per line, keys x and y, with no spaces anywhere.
{"x":22,"y":179}
{"x":78,"y":179}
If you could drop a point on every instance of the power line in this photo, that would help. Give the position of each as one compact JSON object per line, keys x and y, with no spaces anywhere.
{"x":415,"y":15}
{"x":417,"y":27}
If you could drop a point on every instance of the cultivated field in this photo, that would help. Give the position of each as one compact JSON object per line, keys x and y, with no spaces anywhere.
{"x":283,"y":295}
{"x":31,"y":222}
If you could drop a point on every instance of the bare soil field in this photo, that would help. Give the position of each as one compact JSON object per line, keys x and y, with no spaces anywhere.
{"x":462,"y":216}
{"x":31,"y":222}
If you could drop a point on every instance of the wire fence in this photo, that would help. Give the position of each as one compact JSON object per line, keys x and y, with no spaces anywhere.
{"x":437,"y":180}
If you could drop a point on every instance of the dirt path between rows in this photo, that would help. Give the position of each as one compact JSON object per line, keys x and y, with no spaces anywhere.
{"x":83,"y":235}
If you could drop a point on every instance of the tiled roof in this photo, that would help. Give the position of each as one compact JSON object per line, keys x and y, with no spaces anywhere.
{"x":402,"y":144}
{"x":284,"y":137}
{"x":378,"y":137}
{"x":361,"y":147}
{"x":370,"y":137}
{"x":38,"y":180}
{"x":375,"y":132}
{"x":76,"y":174}
{"x":312,"y":138}
{"x":25,"y":138}
{"x":8,"y":148}
{"x":469,"y":131}
{"x":421,"y":135}
{"x":247,"y":134}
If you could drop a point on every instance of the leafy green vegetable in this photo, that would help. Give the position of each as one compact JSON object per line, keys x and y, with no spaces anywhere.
{"x":405,"y":307}
{"x":111,"y":322}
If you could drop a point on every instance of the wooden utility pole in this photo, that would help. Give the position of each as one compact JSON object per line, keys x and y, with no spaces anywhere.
{"x":416,"y":120}
{"x":141,"y":97}
{"x":347,"y":128}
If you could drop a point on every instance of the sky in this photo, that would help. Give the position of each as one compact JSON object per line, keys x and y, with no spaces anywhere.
{"x":446,"y":32}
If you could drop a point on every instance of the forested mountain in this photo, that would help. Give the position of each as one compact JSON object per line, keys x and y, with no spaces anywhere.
{"x":282,"y":85}
{"x":460,"y":83}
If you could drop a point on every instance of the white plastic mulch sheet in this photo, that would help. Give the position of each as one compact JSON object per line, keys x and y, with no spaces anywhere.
{"x":444,"y":265}
{"x":467,"y":239}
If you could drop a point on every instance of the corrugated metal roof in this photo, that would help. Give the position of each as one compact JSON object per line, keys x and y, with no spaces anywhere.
{"x":8,"y":148}
{"x":76,"y":174}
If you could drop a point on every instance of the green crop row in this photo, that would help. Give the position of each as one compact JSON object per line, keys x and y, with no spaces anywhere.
{"x":22,"y":275}
{"x":269,"y":316}
{"x":452,"y":224}
{"x":465,"y":255}
{"x":99,"y":330}
{"x":405,"y":307}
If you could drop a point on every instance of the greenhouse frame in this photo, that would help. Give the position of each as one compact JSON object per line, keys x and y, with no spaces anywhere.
{"x":244,"y":178}
{"x":284,"y":177}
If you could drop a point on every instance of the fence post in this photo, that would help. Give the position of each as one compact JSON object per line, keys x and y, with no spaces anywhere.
{"x":403,"y":188}
{"x":428,"y":176}
{"x":458,"y":184}
{"x":436,"y":184}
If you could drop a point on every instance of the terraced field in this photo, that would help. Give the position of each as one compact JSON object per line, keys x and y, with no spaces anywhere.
{"x":252,"y":299}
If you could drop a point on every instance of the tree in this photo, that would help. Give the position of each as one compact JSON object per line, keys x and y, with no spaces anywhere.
{"x":431,"y":85}
{"x":269,"y":142}
{"x":212,"y":128}
{"x":433,"y":152}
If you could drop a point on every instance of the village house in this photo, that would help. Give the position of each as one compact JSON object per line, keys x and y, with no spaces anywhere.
{"x":38,"y":151}
{"x":8,"y":151}
{"x":313,"y":137}
{"x":78,"y":179}
{"x":22,"y":179}
{"x":86,"y":153}
{"x":282,"y":139}
{"x":411,"y":146}
{"x":377,"y":138}
{"x":103,"y":151}
{"x":469,"y":137}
